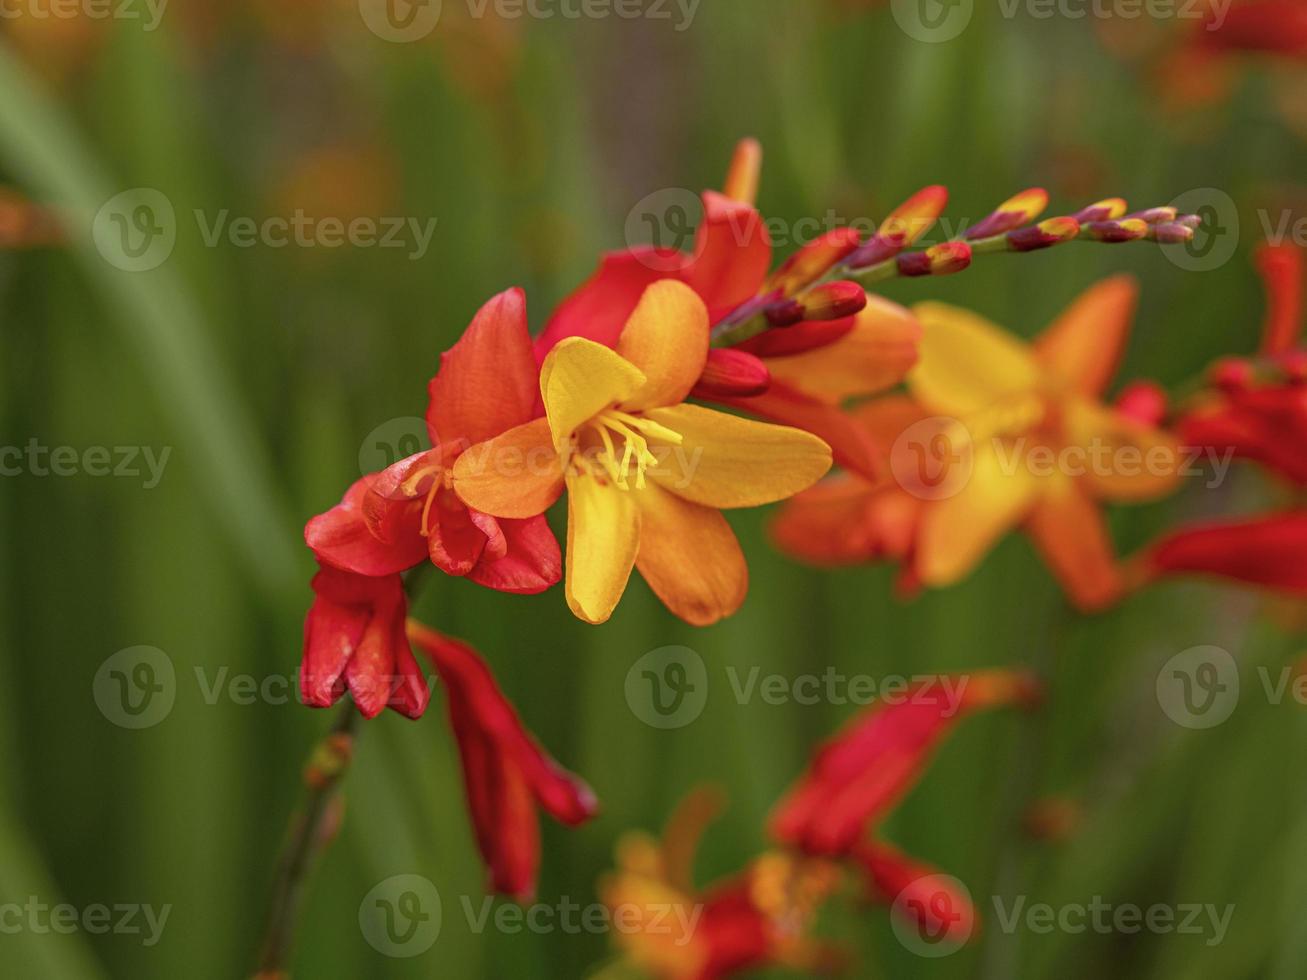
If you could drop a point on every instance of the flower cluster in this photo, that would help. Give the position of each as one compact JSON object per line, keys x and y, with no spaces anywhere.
{"x":826,"y":829}
{"x":599,"y":407}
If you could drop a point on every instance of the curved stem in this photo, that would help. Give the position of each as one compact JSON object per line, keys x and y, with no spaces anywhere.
{"x":309,"y":834}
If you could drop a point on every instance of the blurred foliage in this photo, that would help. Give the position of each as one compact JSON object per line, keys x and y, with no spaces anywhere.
{"x":266,"y":369}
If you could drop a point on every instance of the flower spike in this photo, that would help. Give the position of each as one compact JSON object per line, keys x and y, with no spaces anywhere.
{"x":904,"y":225}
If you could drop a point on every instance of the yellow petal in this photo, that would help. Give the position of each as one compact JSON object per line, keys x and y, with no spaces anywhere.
{"x":579,"y":379}
{"x":1069,"y":531}
{"x":518,"y":474}
{"x":1083,"y":346}
{"x":956,"y":531}
{"x":690,"y":557}
{"x":875,"y":354}
{"x":1123,"y":459}
{"x":603,"y":535}
{"x":967,"y":362}
{"x":728,"y":461}
{"x":666,"y":337}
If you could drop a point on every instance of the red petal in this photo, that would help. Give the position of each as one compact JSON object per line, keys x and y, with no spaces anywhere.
{"x":455,"y":541}
{"x":601,"y":306}
{"x":732,"y":253}
{"x":340,"y":537}
{"x":942,"y":912}
{"x":488,"y":382}
{"x":1267,"y":551}
{"x":503,"y":766}
{"x":1281,"y":267}
{"x":531,"y":563}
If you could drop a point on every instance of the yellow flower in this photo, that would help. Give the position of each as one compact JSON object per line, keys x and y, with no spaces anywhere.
{"x":1043,"y":450}
{"x":646,"y":475}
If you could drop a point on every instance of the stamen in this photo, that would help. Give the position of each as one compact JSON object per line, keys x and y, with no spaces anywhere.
{"x":635,"y":432}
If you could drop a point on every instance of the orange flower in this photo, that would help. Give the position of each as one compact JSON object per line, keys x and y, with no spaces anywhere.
{"x":646,"y":475}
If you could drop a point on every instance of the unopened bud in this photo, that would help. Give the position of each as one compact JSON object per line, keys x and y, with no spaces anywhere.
{"x":938,"y":260}
{"x":732,"y":374}
{"x":1043,"y":235}
{"x":1012,"y":213}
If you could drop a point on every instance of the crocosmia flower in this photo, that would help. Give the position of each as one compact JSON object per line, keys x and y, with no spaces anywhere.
{"x":752,"y":920}
{"x":1028,"y":442}
{"x":391,"y":521}
{"x":646,"y":475}
{"x":1268,"y":551}
{"x":354,"y":639}
{"x":508,"y":775}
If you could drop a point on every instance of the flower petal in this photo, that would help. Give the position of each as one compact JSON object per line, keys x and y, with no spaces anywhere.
{"x":1083,"y":346}
{"x":340,"y":537}
{"x":666,"y":338}
{"x":875,"y":354}
{"x":690,"y":557}
{"x":488,"y":381}
{"x":727,"y":461}
{"x":967,"y":362}
{"x":1069,"y":530}
{"x":600,"y":307}
{"x":1266,"y":551}
{"x":603,"y":536}
{"x":956,"y":531}
{"x":844,"y":520}
{"x":732,"y":253}
{"x":1128,"y":459}
{"x":517,"y":474}
{"x":531,"y":564}
{"x":579,"y":379}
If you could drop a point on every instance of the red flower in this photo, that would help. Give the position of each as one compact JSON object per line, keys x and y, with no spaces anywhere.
{"x":1268,"y":551}
{"x":863,"y":773}
{"x":506,"y":772}
{"x":1259,"y":412}
{"x":354,"y":639}
{"x":941,"y":911}
{"x":390,"y":521}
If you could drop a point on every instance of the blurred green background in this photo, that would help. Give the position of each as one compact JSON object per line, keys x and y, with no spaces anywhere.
{"x":268,"y":371}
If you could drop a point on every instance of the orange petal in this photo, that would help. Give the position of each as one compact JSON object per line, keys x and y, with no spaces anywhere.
{"x":1084,"y":345}
{"x":488,"y":381}
{"x":690,"y":557}
{"x":666,"y":338}
{"x":1069,"y":531}
{"x":518,"y":474}
{"x":1127,"y":459}
{"x":875,"y":354}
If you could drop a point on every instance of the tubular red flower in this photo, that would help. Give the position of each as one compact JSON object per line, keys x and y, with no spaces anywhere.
{"x":506,"y":773}
{"x":859,"y":776}
{"x":354,"y":639}
{"x":1264,"y":551}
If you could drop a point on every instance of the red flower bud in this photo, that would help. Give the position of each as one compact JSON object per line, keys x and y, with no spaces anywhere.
{"x":732,"y":374}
